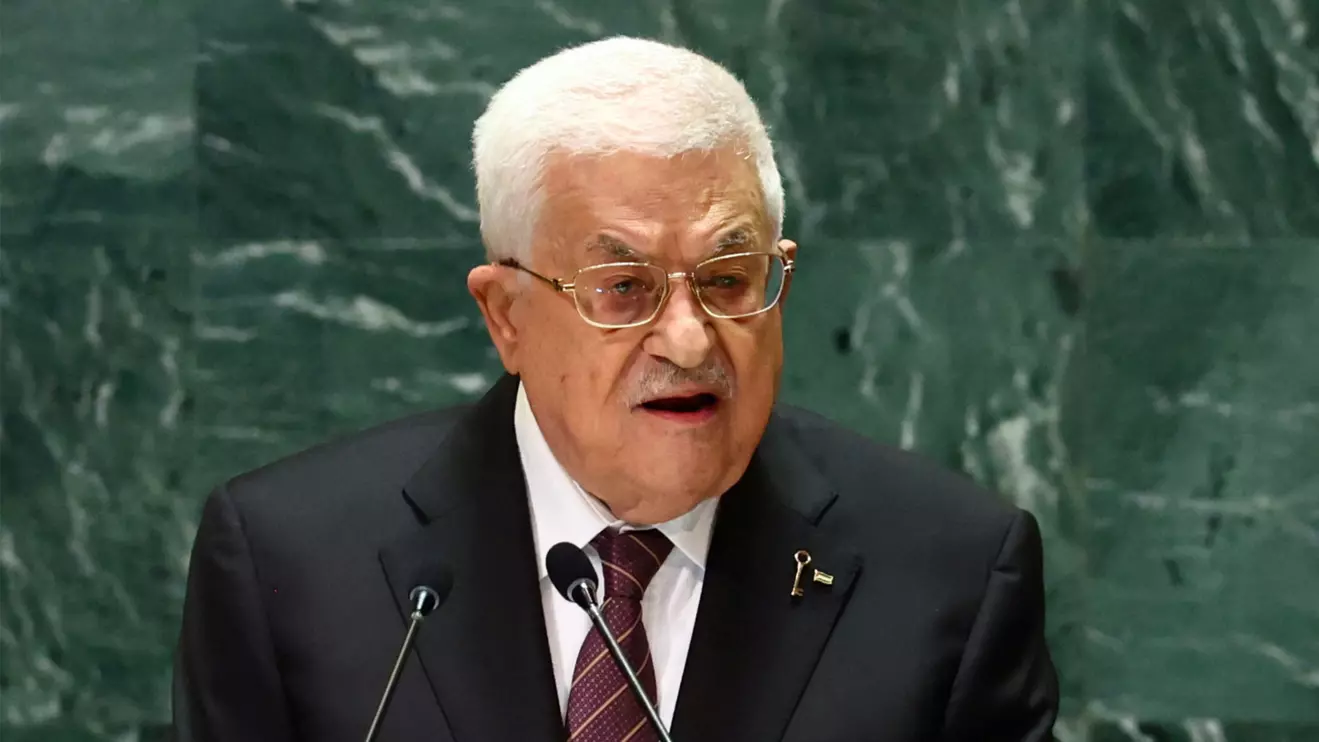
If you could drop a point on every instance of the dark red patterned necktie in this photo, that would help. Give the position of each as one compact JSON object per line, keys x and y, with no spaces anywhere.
{"x":601,"y":707}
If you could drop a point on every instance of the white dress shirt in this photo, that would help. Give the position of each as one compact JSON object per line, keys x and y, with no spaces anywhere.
{"x":562,"y":511}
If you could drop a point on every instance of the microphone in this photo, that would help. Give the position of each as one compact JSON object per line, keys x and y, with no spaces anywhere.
{"x":423,"y":599}
{"x":576,"y":580}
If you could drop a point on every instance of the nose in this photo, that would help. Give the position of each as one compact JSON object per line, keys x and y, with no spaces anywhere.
{"x":682,"y":333}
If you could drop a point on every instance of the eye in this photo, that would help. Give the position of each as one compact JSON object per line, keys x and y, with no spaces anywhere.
{"x":725,"y":280}
{"x":623,"y":286}
{"x":622,"y":283}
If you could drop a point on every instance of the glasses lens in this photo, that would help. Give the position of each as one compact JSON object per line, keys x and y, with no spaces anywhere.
{"x":739,"y":285}
{"x":619,"y":294}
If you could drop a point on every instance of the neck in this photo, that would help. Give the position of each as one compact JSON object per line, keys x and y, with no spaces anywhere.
{"x":643,"y":511}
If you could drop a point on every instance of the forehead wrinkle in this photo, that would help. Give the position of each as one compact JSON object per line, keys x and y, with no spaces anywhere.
{"x":740,"y":236}
{"x":631,"y":223}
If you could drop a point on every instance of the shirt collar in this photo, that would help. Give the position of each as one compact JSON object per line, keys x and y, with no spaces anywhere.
{"x":562,"y":511}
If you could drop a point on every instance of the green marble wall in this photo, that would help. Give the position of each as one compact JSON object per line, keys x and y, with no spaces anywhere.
{"x":1070,"y":248}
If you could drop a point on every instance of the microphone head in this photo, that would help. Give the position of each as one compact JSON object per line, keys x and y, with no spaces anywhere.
{"x":424,"y":599}
{"x":430,"y":589}
{"x":569,"y":570}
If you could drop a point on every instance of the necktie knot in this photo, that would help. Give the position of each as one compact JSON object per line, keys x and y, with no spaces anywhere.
{"x":630,"y":560}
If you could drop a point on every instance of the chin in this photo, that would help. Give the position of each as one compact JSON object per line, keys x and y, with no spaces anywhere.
{"x":676,"y":485}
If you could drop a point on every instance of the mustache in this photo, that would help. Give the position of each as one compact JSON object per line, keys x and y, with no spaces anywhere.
{"x":663,"y":378}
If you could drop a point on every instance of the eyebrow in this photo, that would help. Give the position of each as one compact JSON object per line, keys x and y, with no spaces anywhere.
{"x":613,"y":248}
{"x":739,"y":239}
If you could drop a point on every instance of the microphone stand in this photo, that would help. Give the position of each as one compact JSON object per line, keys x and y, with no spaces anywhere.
{"x":597,"y":618}
{"x":424,"y":600}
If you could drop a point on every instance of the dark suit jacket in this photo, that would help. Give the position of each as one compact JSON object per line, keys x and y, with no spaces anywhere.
{"x":933,"y":628}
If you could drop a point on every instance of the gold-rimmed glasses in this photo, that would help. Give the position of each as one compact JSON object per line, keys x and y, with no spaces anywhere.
{"x":614,"y":296}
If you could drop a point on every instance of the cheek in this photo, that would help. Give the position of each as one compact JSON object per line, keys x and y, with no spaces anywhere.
{"x":550,"y":347}
{"x":586,"y":366}
{"x":756,"y":353}
{"x":610,"y":359}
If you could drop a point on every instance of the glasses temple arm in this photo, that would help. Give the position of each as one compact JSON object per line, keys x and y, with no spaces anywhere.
{"x":555,"y":283}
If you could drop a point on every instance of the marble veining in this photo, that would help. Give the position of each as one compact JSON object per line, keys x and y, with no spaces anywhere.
{"x":1068,"y":248}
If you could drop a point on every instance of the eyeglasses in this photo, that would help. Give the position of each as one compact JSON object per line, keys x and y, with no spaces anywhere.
{"x":614,"y":296}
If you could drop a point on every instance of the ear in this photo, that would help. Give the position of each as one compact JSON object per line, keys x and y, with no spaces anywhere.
{"x":495,"y":293}
{"x":789,"y":248}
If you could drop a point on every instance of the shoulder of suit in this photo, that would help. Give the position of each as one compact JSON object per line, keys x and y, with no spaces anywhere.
{"x":378,"y":458}
{"x":879,"y":483}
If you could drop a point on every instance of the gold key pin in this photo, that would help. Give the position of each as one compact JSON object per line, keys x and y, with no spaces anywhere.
{"x":802,"y":558}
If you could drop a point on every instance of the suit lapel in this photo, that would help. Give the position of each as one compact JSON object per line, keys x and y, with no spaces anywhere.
{"x":754,"y":646}
{"x":484,"y":651}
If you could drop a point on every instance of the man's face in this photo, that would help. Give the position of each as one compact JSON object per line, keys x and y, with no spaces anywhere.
{"x":651,"y":419}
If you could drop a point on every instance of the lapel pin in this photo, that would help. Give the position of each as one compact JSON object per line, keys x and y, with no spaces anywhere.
{"x":802,"y":558}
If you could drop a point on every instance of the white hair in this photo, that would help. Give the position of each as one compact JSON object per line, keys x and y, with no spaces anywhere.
{"x":614,"y":95}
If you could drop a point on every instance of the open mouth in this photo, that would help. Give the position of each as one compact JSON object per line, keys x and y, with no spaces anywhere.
{"x":690,"y":405}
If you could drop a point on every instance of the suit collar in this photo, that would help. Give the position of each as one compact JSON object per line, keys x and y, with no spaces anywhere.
{"x":450,"y":478}
{"x":781,"y":471}
{"x":487,"y":641}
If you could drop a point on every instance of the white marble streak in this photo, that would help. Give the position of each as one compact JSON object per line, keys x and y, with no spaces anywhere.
{"x":308,"y":252}
{"x":365,"y":313}
{"x":400,"y":161}
{"x":568,"y":20}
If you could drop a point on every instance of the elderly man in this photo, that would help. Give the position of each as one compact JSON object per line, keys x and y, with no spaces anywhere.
{"x":770,"y":576}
